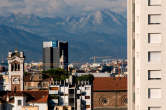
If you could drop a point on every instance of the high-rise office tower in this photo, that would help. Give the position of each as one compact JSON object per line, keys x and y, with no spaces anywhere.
{"x":55,"y":55}
{"x":146,"y":55}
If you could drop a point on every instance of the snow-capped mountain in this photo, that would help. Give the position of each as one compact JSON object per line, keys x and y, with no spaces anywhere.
{"x":102,"y":30}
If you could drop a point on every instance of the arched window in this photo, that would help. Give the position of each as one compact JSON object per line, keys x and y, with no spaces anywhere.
{"x":15,"y":66}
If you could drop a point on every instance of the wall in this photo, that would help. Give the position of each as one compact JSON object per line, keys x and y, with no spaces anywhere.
{"x":110,"y":100}
{"x":42,"y":106}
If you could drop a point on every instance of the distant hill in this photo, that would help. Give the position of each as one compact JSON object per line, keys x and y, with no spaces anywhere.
{"x":98,"y":33}
{"x":18,"y":39}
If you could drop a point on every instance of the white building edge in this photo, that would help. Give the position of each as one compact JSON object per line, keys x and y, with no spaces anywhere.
{"x":146,"y":54}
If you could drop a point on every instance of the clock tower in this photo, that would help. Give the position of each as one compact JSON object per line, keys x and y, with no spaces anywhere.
{"x":16,"y":70}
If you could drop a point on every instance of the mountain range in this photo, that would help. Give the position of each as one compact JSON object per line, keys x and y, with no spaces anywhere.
{"x":97,"y":33}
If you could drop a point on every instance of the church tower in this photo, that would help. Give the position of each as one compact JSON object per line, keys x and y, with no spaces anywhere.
{"x":16,"y":70}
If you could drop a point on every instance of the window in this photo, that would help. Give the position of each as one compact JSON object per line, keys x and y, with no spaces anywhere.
{"x":71,"y":100}
{"x":154,"y":74}
{"x":87,"y":97}
{"x":15,"y":66}
{"x":154,"y":93}
{"x":71,"y":91}
{"x":87,"y":88}
{"x":66,"y":108}
{"x":154,"y":2}
{"x":154,"y":19}
{"x":154,"y":56}
{"x":19,"y":102}
{"x":154,"y":38}
{"x":87,"y":106}
{"x":154,"y":108}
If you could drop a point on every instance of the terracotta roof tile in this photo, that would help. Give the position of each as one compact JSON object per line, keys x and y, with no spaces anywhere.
{"x":109,"y":83}
{"x":32,"y":96}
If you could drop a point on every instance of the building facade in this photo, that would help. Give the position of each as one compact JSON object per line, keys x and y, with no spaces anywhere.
{"x":146,"y":54}
{"x":110,"y":93}
{"x":24,"y":100}
{"x":77,"y":95}
{"x":55,"y":55}
{"x":36,"y":81}
{"x":62,"y":108}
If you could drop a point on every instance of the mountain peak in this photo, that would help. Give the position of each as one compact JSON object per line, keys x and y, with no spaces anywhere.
{"x":90,"y":34}
{"x":98,"y":17}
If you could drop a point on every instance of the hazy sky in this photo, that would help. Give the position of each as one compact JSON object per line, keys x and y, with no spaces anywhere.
{"x":59,"y":7}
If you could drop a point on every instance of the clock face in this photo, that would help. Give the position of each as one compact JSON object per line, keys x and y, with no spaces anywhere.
{"x":15,"y":80}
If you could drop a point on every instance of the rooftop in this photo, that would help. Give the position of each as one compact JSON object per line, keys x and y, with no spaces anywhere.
{"x":110,"y":83}
{"x":31,"y":96}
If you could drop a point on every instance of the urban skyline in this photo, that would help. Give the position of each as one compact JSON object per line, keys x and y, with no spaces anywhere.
{"x":85,"y":31}
{"x":63,"y":55}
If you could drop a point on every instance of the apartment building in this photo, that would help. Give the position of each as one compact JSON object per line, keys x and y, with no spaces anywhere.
{"x":62,"y":108}
{"x":146,"y":54}
{"x":24,"y":100}
{"x":36,"y":81}
{"x":71,"y":93}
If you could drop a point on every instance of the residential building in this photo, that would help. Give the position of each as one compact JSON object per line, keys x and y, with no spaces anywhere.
{"x":110,"y":93}
{"x":1,"y":82}
{"x":36,"y":81}
{"x":24,"y":100}
{"x":30,"y":108}
{"x":55,"y":55}
{"x":62,"y":108}
{"x":146,"y":54}
{"x":6,"y":85}
{"x":2,"y":68}
{"x":33,"y":66}
{"x":84,"y":96}
{"x":70,"y":92}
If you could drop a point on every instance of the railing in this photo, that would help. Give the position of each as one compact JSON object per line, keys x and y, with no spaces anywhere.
{"x":53,"y":92}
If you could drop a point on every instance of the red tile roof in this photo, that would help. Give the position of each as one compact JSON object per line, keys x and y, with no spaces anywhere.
{"x":109,"y":84}
{"x":31,"y":96}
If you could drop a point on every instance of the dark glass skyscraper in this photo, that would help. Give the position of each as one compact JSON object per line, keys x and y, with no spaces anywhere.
{"x":55,"y":55}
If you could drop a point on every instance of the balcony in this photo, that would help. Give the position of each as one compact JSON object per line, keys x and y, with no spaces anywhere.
{"x":53,"y":92}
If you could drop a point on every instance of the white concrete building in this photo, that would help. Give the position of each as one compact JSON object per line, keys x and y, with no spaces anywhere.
{"x":85,"y":96}
{"x":146,"y":54}
{"x":95,"y":74}
{"x":25,"y":100}
{"x":74,"y":94}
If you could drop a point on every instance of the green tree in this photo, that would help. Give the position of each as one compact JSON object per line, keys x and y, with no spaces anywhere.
{"x":85,"y":78}
{"x":57,"y":74}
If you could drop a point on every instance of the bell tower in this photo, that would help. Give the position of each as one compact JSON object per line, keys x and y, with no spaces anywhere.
{"x":16,"y":70}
